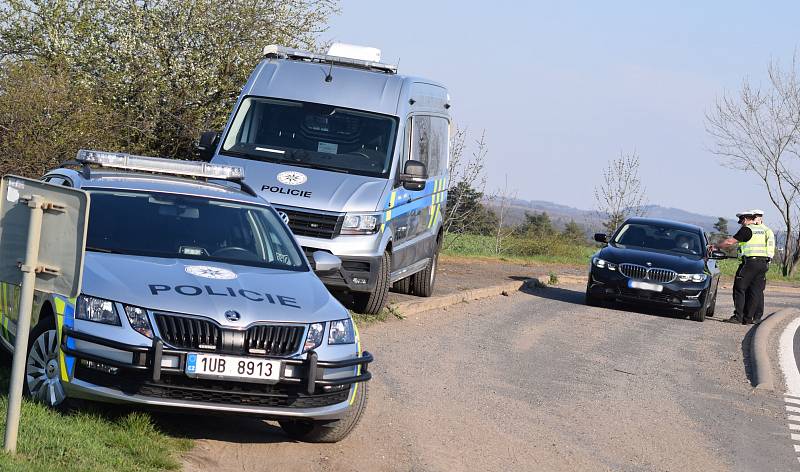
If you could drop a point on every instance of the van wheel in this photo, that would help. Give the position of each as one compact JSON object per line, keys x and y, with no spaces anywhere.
{"x":372,"y":303}
{"x":42,"y":369}
{"x":329,"y":431}
{"x":422,"y":282}
{"x":403,"y":285}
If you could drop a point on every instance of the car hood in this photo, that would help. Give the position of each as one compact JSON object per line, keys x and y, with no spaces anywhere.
{"x":677,"y":262}
{"x":322,"y":190}
{"x":165,"y":284}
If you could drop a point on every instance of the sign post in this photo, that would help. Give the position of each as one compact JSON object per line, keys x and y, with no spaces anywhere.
{"x":42,"y":242}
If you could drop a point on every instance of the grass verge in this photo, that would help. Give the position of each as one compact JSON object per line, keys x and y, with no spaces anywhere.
{"x":87,"y":441}
{"x":518,"y":249}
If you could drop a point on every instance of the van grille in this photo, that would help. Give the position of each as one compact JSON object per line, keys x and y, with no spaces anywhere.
{"x":313,"y":224}
{"x":273,"y":340}
{"x":635,"y":271}
{"x":188,"y":333}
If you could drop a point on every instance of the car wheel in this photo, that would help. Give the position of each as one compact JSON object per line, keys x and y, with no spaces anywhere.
{"x":329,"y":431}
{"x":372,"y":303}
{"x":700,"y":314}
{"x":712,"y":307}
{"x":403,"y":286}
{"x":423,"y":281}
{"x":42,"y":369}
{"x":591,"y":300}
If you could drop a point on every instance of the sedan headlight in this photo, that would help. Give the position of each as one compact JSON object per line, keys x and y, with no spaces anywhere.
{"x":692,"y":277}
{"x":314,"y":337}
{"x":603,"y":264}
{"x":97,"y":310}
{"x":342,"y":332}
{"x":138,"y":320}
{"x":361,"y":223}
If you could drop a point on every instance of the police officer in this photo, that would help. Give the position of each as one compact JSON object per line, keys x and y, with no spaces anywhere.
{"x":756,"y":247}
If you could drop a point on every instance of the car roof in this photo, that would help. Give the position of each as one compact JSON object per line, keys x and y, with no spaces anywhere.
{"x":144,"y":181}
{"x":664,"y":222}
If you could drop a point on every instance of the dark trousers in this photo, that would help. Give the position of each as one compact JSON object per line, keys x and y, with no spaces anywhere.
{"x":748,"y":289}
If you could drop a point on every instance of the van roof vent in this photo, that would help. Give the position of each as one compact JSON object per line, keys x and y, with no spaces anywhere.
{"x":359,"y":57}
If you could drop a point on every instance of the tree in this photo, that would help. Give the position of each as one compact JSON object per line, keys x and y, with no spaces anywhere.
{"x":165,"y":70}
{"x":621,"y":193}
{"x":721,"y":225}
{"x":573,"y":232}
{"x":757,"y":131}
{"x":536,"y":224}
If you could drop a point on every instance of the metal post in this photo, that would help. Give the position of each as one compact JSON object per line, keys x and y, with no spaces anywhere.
{"x":23,"y":323}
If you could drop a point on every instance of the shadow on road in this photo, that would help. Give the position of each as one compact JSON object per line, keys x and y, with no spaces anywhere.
{"x":217,"y":427}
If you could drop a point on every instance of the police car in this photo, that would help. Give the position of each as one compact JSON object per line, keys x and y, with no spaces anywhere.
{"x":195,"y":296}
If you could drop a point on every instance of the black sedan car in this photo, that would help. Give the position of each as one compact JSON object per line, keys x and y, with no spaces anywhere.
{"x":656,"y":263}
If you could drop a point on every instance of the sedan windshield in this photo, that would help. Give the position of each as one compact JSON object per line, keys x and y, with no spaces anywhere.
{"x":179,"y":226}
{"x":312,"y":135}
{"x":659,"y":237}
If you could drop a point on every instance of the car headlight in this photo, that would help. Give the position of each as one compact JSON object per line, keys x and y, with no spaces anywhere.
{"x":138,"y":320}
{"x":692,"y":277}
{"x":361,"y":223}
{"x":314,"y":337}
{"x":341,"y":332}
{"x":603,"y":264}
{"x":97,"y":310}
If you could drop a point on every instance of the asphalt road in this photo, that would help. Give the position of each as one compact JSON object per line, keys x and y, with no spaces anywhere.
{"x":536,"y":381}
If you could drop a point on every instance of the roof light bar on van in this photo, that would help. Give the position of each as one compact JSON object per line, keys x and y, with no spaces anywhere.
{"x":282,"y":52}
{"x":157,"y":164}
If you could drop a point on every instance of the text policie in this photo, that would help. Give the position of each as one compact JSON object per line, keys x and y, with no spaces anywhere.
{"x":252,"y":295}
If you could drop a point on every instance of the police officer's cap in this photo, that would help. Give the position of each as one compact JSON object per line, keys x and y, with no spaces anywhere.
{"x":744,"y":213}
{"x":756,"y":212}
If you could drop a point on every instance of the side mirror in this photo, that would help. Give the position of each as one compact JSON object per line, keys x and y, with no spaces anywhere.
{"x":601,"y":238}
{"x":207,"y":144}
{"x":414,"y":175}
{"x":325,"y":262}
{"x":717,"y":254}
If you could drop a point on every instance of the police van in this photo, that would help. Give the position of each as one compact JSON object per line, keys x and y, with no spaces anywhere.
{"x":354,"y":157}
{"x":195,"y":297}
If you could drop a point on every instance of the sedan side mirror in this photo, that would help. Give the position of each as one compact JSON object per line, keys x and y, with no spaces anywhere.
{"x":717,"y":254}
{"x":325,"y":262}
{"x":414,"y":175}
{"x":601,"y":238}
{"x":207,"y":144}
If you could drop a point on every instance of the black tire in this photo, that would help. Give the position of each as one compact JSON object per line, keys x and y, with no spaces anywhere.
{"x":42,"y":369}
{"x":712,"y":307}
{"x":329,"y":431}
{"x":403,"y":286}
{"x":590,"y":299}
{"x":373,"y":302}
{"x":422,"y":282}
{"x":699,"y":315}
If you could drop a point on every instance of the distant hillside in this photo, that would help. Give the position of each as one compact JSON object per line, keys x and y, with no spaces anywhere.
{"x":589,"y":219}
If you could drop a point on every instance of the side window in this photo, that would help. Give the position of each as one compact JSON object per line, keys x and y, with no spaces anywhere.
{"x":421,"y":140}
{"x":56,"y":180}
{"x":428,"y":138}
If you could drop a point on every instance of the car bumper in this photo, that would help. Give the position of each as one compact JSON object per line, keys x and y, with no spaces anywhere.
{"x":609,"y":285}
{"x":310,"y":392}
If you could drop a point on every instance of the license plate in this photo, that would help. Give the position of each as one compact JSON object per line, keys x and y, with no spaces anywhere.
{"x":645,"y":286}
{"x":214,"y":366}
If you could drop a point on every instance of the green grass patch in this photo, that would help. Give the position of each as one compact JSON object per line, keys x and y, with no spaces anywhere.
{"x":547,"y":250}
{"x":87,"y":441}
{"x":729,"y":266}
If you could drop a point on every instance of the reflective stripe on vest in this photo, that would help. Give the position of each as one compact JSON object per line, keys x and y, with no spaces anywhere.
{"x":757,"y":245}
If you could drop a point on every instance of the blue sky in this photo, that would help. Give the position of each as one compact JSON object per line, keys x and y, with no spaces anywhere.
{"x":562,"y":87}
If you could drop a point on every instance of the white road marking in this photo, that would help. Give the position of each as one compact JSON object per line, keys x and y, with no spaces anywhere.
{"x":792,"y":401}
{"x":794,"y":418}
{"x":788,"y":364}
{"x":793,"y":409}
{"x":794,"y":427}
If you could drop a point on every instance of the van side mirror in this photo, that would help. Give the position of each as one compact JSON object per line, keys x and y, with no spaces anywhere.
{"x":717,"y":254}
{"x":325,"y":262}
{"x":601,"y":238}
{"x":414,"y":175}
{"x":207,"y":144}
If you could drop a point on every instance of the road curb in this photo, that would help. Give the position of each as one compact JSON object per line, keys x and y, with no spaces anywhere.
{"x":763,"y":374}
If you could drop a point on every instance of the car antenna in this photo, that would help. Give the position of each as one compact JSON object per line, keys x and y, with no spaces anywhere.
{"x":328,"y":76}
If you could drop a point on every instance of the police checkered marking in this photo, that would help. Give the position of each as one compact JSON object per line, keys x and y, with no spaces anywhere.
{"x":210,"y":272}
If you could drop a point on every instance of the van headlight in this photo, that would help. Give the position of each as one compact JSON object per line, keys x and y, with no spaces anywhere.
{"x":96,"y":309}
{"x":314,"y":337}
{"x":692,"y":277}
{"x":361,"y":223}
{"x":341,"y":332}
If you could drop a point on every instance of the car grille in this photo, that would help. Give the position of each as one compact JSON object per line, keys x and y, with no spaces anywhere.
{"x":313,"y":224}
{"x":188,"y":333}
{"x":637,"y":272}
{"x":273,"y":340}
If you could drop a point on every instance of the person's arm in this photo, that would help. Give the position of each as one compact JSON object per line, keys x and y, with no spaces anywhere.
{"x":743,"y":235}
{"x":728,"y":243}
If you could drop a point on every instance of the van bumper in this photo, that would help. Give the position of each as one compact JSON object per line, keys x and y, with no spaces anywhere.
{"x":358,"y":273}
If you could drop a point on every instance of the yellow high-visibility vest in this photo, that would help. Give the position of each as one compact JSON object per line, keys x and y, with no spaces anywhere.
{"x":762,"y":244}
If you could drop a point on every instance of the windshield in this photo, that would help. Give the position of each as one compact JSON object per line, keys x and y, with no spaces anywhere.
{"x":312,"y":135}
{"x":179,"y":226}
{"x":659,"y":237}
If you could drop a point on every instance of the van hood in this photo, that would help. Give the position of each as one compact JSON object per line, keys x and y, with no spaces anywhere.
{"x":210,"y":289}
{"x":320,"y":189}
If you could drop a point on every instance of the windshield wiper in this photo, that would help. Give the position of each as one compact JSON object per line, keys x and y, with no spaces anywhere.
{"x":102,"y":249}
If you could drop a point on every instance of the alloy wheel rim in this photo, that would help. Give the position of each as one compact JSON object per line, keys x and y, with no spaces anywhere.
{"x":42,"y":370}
